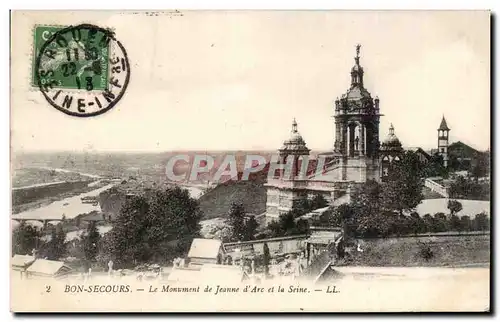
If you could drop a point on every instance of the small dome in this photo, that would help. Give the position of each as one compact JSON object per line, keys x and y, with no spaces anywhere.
{"x":295,"y":142}
{"x":296,"y":138}
{"x":392,"y":141}
{"x":357,"y":93}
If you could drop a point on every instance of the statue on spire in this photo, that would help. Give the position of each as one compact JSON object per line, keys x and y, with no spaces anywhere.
{"x":358,"y":47}
{"x":294,"y":126}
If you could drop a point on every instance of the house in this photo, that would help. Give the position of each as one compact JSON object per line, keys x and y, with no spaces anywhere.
{"x":422,"y":155}
{"x":206,"y":251}
{"x":48,"y":268}
{"x":21,"y":262}
{"x":465,"y":157}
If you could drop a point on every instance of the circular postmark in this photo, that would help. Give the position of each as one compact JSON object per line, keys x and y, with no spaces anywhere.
{"x":82,"y":70}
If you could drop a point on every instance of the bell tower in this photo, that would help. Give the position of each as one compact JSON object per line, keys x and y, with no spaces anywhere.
{"x":357,"y":119}
{"x":443,"y":136}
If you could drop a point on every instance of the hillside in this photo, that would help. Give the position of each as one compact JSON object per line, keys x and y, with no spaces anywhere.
{"x":454,"y":251}
{"x":216,"y":202}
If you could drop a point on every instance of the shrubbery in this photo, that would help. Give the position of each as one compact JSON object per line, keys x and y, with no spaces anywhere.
{"x":290,"y":222}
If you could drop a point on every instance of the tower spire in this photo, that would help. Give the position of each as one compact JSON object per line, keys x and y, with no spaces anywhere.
{"x":357,"y":70}
{"x":294,"y":126}
{"x":391,"y":130}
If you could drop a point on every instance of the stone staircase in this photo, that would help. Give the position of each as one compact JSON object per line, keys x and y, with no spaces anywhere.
{"x":436,"y":187}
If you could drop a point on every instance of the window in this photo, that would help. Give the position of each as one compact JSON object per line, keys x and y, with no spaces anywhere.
{"x":442,"y":150}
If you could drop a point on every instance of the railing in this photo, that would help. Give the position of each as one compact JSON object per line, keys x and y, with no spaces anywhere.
{"x":436,"y":187}
{"x":317,"y":265}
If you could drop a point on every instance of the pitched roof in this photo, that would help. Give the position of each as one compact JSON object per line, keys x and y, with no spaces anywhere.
{"x":47,"y":267}
{"x":443,"y":125}
{"x":462,"y":149}
{"x":419,"y":150}
{"x":22,"y":260}
{"x":204,"y":248}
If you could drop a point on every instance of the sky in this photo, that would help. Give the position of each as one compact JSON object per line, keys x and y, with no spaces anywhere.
{"x":211,"y":80}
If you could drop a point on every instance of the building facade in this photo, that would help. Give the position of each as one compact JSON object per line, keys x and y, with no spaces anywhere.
{"x":354,"y":159}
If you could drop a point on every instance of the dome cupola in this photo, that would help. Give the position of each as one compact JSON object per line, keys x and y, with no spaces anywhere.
{"x":391,"y":142}
{"x":295,"y":143}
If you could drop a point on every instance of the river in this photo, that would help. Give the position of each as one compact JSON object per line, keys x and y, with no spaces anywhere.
{"x":73,"y":206}
{"x":69,"y":207}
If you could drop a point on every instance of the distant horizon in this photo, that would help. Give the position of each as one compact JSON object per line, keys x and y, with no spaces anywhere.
{"x":95,"y":151}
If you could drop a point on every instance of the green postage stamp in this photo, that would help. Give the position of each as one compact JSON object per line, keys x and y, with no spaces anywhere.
{"x":81,"y":70}
{"x":81,"y":61}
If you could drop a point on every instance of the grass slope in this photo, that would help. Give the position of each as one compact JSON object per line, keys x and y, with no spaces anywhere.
{"x":216,"y":202}
{"x":454,"y":251}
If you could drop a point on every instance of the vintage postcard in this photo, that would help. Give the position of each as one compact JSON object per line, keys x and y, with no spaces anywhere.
{"x":250,"y":161}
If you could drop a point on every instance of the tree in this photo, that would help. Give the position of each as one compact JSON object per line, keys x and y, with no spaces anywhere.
{"x":318,"y":201}
{"x":440,"y":223}
{"x":454,"y":206}
{"x":220,"y":231}
{"x":274,"y":228}
{"x":251,"y":226}
{"x":455,"y":223}
{"x":287,"y":225}
{"x":243,"y":227}
{"x":301,"y":206}
{"x":366,"y":199}
{"x":236,"y":220}
{"x":302,"y":227}
{"x":365,"y":216}
{"x":343,"y":216}
{"x":403,"y":189}
{"x":25,"y":238}
{"x":481,"y":166}
{"x":267,"y":259}
{"x":55,"y":249}
{"x":157,"y":226}
{"x":428,"y":223}
{"x":465,"y":224}
{"x":90,"y":242}
{"x":417,"y":223}
{"x":481,"y":222}
{"x":435,"y":167}
{"x":465,"y":188}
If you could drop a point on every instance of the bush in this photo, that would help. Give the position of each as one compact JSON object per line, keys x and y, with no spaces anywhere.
{"x":425,"y":252}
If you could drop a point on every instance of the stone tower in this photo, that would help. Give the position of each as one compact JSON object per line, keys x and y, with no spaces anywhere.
{"x":357,"y":118}
{"x":287,"y":188}
{"x":390,"y":152}
{"x":443,"y":135}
